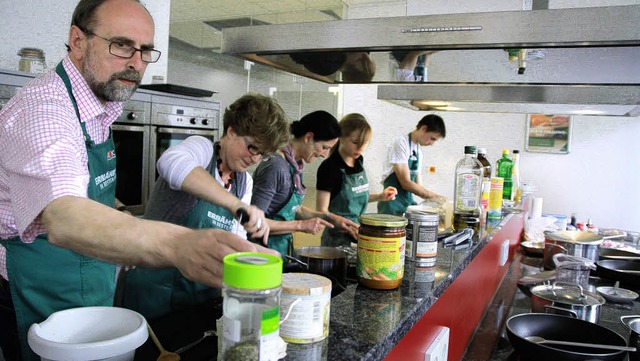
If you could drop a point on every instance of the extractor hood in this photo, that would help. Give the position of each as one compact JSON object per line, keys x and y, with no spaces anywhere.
{"x":300,"y":47}
{"x":574,"y":99}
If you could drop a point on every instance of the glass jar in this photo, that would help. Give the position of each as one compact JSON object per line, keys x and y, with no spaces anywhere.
{"x":251,"y":307}
{"x":381,"y":251}
{"x":32,"y":60}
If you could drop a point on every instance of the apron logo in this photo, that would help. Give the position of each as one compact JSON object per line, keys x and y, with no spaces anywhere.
{"x":111,"y":154}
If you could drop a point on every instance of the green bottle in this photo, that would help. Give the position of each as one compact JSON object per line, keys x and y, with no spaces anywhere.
{"x":504,"y":167}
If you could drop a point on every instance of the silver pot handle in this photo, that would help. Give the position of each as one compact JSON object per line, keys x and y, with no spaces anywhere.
{"x":623,"y":320}
{"x":291,"y":258}
{"x":570,"y":312}
{"x":553,"y":287}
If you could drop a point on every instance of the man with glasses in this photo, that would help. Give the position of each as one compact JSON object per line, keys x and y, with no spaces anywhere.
{"x":203,"y":184}
{"x":60,"y":233}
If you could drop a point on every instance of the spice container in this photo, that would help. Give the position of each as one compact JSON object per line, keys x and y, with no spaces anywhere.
{"x":422,"y":235}
{"x":32,"y":60}
{"x":251,"y":307}
{"x":381,"y":251}
{"x":305,"y":304}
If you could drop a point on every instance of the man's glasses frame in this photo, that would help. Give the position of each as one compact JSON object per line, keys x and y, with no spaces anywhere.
{"x":123,"y":50}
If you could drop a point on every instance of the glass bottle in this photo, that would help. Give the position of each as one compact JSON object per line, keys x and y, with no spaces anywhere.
{"x":486,"y":181}
{"x":251,"y":306}
{"x":504,"y":167}
{"x":515,"y":177}
{"x":468,"y":184}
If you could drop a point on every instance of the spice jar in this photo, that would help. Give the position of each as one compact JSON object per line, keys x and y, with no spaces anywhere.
{"x":251,"y":307}
{"x":381,"y":251}
{"x":32,"y":60}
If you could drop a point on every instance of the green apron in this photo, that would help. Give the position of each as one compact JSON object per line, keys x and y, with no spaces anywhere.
{"x":45,"y":278}
{"x":350,"y":202}
{"x":283,"y":243}
{"x":403,"y":199}
{"x":155,"y":292}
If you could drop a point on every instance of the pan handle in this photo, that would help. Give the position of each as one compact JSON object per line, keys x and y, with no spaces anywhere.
{"x":561,"y":310}
{"x":625,"y":323}
{"x":291,"y":258}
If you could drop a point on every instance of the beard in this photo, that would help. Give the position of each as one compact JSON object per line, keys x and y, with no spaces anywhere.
{"x":112,"y":89}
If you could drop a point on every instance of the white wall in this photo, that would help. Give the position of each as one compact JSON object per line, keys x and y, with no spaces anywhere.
{"x":45,"y":25}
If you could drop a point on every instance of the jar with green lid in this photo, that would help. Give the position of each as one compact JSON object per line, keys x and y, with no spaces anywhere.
{"x":251,"y":307}
{"x":32,"y":60}
{"x":381,"y":251}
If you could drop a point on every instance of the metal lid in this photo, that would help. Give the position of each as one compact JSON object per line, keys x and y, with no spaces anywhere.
{"x":252,"y":270}
{"x":568,"y":294}
{"x":383,"y":220}
{"x":578,"y":237}
{"x":420,"y":214}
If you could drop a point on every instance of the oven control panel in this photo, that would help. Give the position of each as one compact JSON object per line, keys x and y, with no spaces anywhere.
{"x":185,"y":116}
{"x":135,"y":112}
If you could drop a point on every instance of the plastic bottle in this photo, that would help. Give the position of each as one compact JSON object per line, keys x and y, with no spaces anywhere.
{"x":516,"y":193}
{"x":468,"y":184}
{"x":251,"y":307}
{"x":504,"y":166}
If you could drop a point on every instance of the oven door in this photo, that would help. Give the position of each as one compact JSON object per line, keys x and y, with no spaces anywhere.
{"x":164,"y":137}
{"x":132,"y":166}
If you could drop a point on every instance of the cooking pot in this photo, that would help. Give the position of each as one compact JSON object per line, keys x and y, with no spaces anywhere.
{"x":632,"y":324}
{"x":573,"y":243}
{"x":567,"y":299}
{"x":563,"y":328}
{"x":330,"y":262}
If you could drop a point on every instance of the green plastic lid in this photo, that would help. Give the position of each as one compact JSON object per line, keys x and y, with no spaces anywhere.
{"x":252,"y":270}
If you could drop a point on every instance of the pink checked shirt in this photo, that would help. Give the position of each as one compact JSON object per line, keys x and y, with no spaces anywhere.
{"x":42,"y":150}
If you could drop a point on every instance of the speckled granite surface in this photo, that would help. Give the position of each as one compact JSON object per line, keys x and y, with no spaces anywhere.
{"x":366,"y":324}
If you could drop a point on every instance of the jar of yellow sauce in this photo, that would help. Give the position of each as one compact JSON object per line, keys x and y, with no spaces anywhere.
{"x":381,"y":251}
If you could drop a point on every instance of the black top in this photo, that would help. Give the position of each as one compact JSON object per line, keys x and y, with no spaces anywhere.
{"x":330,"y":173}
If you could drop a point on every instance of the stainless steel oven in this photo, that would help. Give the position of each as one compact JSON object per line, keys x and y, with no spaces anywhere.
{"x":131,"y":134}
{"x":173,"y":119}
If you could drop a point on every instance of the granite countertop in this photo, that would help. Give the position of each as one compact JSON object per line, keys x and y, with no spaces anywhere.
{"x":491,"y":342}
{"x":365,"y":323}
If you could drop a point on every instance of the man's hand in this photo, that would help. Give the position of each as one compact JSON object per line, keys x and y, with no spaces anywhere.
{"x":253,"y":220}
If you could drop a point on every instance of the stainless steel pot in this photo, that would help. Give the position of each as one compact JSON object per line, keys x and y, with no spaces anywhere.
{"x":567,"y":299}
{"x":573,"y":243}
{"x":632,"y":323}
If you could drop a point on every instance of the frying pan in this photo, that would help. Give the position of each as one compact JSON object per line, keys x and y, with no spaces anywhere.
{"x":558,"y":327}
{"x":627,"y":272}
{"x":533,"y":249}
{"x":612,"y":253}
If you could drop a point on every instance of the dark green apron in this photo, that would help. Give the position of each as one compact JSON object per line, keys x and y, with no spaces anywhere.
{"x":403,"y":199}
{"x":45,"y":278}
{"x":283,"y":243}
{"x":155,"y":292}
{"x":350,"y":202}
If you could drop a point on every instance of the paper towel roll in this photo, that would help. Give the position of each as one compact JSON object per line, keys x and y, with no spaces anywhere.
{"x":536,"y":207}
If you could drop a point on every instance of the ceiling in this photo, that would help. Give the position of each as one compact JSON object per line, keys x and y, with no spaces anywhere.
{"x":198,"y":22}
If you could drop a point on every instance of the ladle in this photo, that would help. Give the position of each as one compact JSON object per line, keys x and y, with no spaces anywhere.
{"x":164,"y":354}
{"x":540,"y":340}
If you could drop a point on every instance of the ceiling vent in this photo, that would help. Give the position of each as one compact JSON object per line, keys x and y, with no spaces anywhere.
{"x":234,"y":23}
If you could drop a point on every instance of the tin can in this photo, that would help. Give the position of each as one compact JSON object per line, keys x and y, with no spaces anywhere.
{"x":422,"y":236}
{"x":305,"y":304}
{"x":381,"y":251}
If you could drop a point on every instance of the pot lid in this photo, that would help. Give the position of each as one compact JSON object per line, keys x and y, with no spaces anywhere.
{"x":578,"y":237}
{"x":567,"y":294}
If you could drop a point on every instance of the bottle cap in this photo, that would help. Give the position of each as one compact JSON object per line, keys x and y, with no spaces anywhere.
{"x":482,"y":150}
{"x":252,"y":270}
{"x":505,"y":151}
{"x":515,"y":151}
{"x":470,"y":149}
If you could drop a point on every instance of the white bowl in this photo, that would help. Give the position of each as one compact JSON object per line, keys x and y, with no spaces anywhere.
{"x":89,"y":333}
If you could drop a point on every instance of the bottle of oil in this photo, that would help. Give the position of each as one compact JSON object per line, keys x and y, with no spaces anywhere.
{"x":468,"y":184}
{"x":516,"y":193}
{"x":486,"y":181}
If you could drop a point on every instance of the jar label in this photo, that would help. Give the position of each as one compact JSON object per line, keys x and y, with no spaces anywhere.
{"x":270,"y":321}
{"x":308,"y":317}
{"x":380,"y":259}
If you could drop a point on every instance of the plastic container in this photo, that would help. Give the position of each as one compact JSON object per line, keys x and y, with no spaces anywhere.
{"x":32,"y":60}
{"x":89,"y":333}
{"x":305,"y":303}
{"x":504,"y":168}
{"x":251,"y":306}
{"x":494,"y":211}
{"x":381,"y":251}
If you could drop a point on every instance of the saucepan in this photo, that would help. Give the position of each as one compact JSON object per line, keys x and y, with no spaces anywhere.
{"x":561,"y":328}
{"x":330,"y":262}
{"x":573,"y":243}
{"x":632,"y":324}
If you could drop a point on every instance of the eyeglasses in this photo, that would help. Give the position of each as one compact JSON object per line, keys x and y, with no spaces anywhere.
{"x":252,"y":148}
{"x":122,"y":50}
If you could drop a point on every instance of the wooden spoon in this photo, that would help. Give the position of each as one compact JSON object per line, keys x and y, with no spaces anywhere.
{"x":164,"y":354}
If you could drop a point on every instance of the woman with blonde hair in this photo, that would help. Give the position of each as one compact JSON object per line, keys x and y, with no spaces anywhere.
{"x":343,"y":187}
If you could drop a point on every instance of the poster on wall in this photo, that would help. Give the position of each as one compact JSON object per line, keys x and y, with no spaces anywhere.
{"x":548,"y":133}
